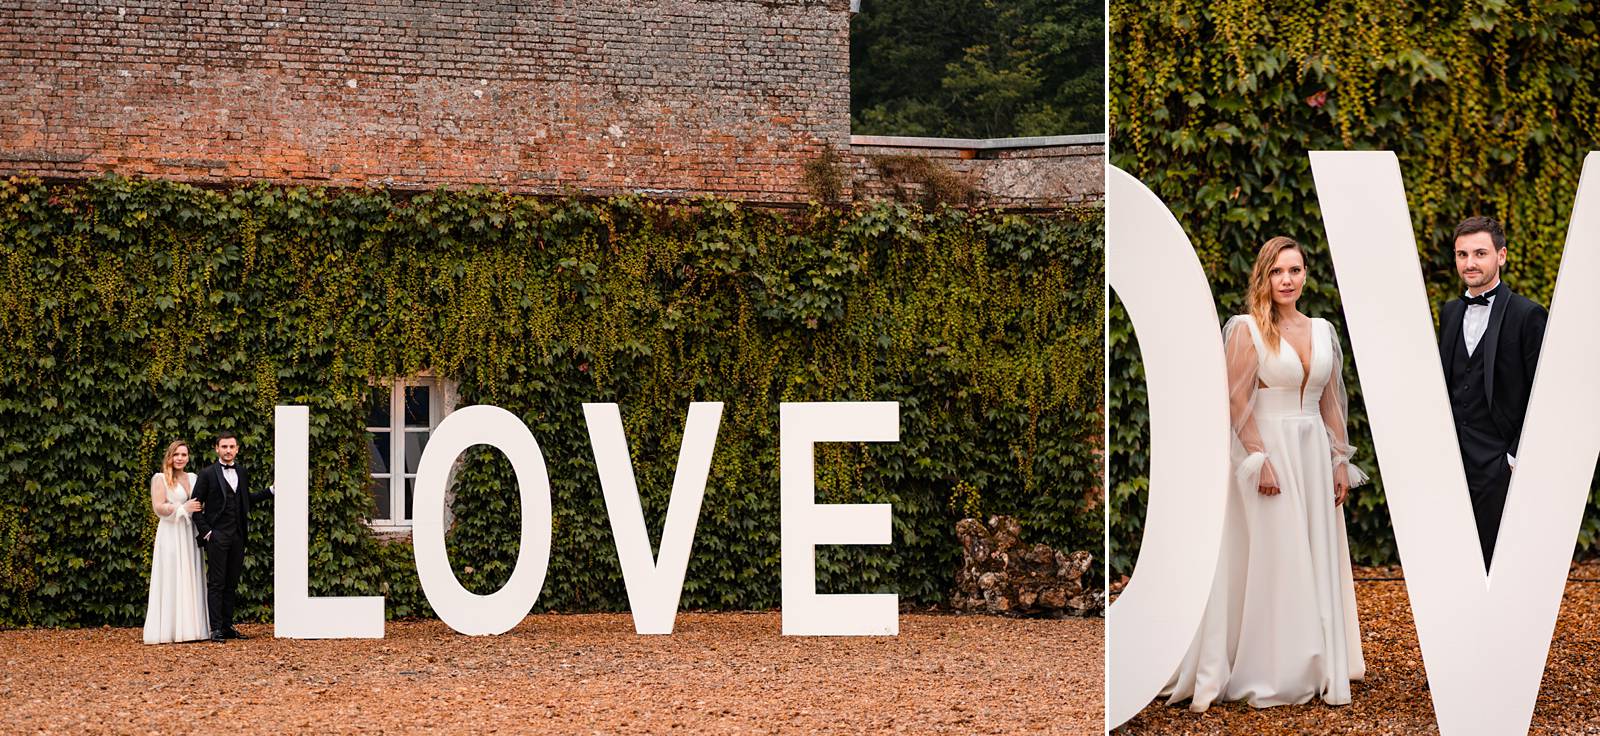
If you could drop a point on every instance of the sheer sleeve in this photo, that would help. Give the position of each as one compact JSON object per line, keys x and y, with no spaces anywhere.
{"x":1252,"y":467}
{"x":1243,"y":367}
{"x":1335,"y":414}
{"x":158,"y":496}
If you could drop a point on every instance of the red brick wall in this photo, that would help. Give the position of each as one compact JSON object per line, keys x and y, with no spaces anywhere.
{"x":665,"y":97}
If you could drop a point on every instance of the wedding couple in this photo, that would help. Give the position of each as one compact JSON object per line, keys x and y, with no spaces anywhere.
{"x":1280,"y":625}
{"x":211,"y":510}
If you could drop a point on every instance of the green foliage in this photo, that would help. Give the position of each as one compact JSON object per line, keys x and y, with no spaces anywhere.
{"x":1490,"y":108}
{"x":977,"y":68}
{"x":138,"y":311}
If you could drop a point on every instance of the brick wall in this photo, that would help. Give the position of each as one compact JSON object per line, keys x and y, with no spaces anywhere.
{"x":665,"y":97}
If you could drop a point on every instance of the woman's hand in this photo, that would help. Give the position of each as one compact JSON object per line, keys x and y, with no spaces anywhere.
{"x":192,"y":506}
{"x":1341,"y":483}
{"x":1268,"y":485}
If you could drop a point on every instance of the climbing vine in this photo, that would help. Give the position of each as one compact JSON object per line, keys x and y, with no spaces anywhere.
{"x":134,"y":312}
{"x":1490,"y":108}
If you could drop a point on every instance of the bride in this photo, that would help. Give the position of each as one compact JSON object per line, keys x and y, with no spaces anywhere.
{"x":1280,"y":625}
{"x":177,"y":607}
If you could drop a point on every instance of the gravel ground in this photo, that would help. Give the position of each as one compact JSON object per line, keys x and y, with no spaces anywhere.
{"x":719,"y":673}
{"x":1394,"y":698}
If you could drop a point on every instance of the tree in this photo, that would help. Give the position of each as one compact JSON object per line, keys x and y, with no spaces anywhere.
{"x":977,"y":68}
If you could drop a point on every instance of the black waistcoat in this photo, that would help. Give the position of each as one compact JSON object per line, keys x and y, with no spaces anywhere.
{"x":230,"y":517}
{"x":1481,"y":442}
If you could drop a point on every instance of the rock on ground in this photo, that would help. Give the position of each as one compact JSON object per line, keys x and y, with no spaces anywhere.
{"x":1001,"y":575}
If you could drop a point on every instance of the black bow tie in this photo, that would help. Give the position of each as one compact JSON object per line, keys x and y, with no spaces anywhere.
{"x":1480,"y":300}
{"x":226,"y":466}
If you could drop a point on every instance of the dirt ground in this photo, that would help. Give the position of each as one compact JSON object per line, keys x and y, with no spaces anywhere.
{"x":1394,"y":698}
{"x":577,"y":674}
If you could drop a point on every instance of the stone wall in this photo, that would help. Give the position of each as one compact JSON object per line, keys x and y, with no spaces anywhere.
{"x":1017,"y":173}
{"x":664,"y":97}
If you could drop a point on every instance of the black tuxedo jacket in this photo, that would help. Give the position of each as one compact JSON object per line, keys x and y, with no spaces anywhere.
{"x":1511,"y":342}
{"x":224,"y":511}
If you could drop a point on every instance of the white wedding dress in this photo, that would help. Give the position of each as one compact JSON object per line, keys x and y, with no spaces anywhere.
{"x":1280,"y":625}
{"x":177,"y":607}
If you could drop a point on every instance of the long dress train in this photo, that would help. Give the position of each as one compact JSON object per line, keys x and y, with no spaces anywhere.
{"x":1280,"y":625}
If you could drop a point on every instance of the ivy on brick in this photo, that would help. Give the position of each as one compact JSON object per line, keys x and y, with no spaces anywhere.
{"x":137,"y":311}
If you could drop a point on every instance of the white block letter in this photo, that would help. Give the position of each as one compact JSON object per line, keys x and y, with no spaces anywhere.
{"x":463,"y":610}
{"x":1484,"y":641}
{"x":653,"y":586}
{"x":804,"y":524}
{"x":1153,"y":268}
{"x":295,"y":614}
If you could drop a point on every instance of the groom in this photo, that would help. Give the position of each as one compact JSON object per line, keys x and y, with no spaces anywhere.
{"x":223,"y":528}
{"x":1489,"y":343}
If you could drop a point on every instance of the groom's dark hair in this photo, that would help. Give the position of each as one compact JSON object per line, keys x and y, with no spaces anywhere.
{"x":226,"y":434}
{"x":1481,"y":224}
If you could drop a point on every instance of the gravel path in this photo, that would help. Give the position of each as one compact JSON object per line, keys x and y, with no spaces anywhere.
{"x":720,"y":673}
{"x":1394,"y":698}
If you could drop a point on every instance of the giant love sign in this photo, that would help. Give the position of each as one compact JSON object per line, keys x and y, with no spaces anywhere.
{"x":653,"y":584}
{"x":1484,"y":639}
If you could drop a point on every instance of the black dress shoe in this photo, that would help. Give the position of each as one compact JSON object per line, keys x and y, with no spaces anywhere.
{"x":232,"y":633}
{"x":217,"y":636}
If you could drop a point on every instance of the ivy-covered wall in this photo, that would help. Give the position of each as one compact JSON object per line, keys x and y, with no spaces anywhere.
{"x":1490,"y":107}
{"x":135,"y":312}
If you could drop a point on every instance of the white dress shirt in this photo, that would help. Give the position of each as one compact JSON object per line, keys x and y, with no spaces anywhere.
{"x":1476,"y":320}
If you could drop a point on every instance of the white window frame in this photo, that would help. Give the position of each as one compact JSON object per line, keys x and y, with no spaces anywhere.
{"x":397,"y":475}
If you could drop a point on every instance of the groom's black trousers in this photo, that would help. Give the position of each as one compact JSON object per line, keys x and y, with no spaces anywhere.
{"x":224,"y":563}
{"x":1487,"y":486}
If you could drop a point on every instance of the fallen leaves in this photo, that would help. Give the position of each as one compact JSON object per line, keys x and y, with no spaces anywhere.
{"x":719,"y":673}
{"x":1394,"y":697}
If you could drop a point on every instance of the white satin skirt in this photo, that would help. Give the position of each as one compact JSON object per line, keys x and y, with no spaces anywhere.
{"x":176,"y":610}
{"x":1280,"y":625}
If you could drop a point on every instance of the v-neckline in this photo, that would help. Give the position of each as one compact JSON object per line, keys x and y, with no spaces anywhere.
{"x":1303,"y":361}
{"x":186,"y":491}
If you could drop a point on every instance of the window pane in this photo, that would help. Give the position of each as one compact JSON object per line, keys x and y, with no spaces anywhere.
{"x":416,"y":406}
{"x":378,"y":452}
{"x":379,"y":489}
{"x":415,"y":442}
{"x":378,"y":401}
{"x":411,"y":484}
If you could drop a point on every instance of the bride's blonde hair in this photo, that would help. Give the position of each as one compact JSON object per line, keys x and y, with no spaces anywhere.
{"x":167,"y":470}
{"x":1260,"y":294}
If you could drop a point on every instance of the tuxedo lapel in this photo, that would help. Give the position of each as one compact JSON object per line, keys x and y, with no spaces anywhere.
{"x":1491,"y":338}
{"x":1450,"y":328}
{"x":228,"y":493}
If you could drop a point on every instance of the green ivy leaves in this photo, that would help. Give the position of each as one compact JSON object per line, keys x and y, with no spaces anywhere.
{"x":1489,"y":107}
{"x":135,"y":312}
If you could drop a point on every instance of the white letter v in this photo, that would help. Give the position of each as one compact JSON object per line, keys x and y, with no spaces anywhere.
{"x":1484,"y":641}
{"x":654,"y":585}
